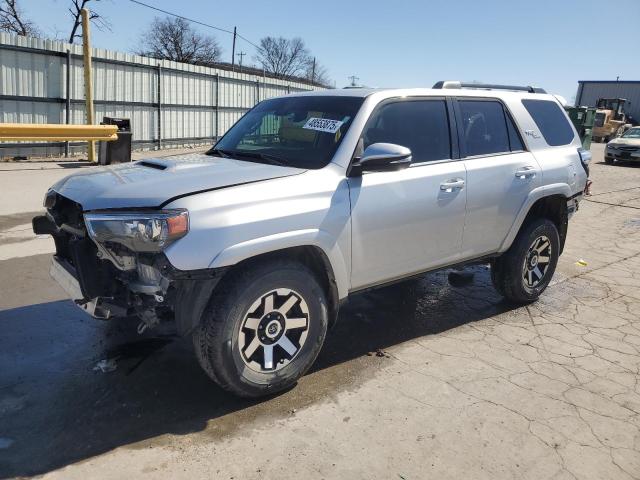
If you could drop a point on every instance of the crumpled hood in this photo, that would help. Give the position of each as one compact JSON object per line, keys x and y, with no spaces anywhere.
{"x":154,"y":182}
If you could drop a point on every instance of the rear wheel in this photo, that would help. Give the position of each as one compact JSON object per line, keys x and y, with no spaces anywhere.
{"x":525,"y":270}
{"x":263,"y":328}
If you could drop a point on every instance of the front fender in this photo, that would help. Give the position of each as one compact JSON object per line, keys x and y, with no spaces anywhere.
{"x":298,"y":238}
{"x":535,"y":195}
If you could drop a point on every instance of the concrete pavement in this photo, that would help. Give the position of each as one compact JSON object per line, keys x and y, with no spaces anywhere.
{"x":468,"y":386}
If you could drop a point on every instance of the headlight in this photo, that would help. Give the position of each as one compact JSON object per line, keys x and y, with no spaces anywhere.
{"x":612,"y":145}
{"x":140,"y":232}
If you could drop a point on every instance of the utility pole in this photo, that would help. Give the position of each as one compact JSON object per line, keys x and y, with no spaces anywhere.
{"x":233,"y":49}
{"x":88,"y":80}
{"x":353,"y":79}
{"x":313,"y":71}
{"x":241,"y":55}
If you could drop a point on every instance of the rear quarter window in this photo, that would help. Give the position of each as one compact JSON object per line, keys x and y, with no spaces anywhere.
{"x":551,"y":121}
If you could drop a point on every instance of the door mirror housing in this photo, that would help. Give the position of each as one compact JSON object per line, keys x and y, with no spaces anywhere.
{"x":384,"y":157}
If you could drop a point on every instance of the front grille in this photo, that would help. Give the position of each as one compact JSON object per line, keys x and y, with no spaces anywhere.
{"x":628,"y":149}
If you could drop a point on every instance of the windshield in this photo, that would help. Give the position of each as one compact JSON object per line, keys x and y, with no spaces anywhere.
{"x":632,"y":133}
{"x":302,"y":131}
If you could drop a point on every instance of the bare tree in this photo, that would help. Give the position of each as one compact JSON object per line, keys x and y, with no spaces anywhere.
{"x":283,"y":57}
{"x":12,"y":20}
{"x":317,"y":73}
{"x":175,"y":39}
{"x":75,"y":9}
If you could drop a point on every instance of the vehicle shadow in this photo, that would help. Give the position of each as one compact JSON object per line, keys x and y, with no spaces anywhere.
{"x":56,"y":410}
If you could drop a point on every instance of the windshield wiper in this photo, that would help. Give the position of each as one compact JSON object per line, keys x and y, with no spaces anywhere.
{"x":267,"y":157}
{"x":219,"y":152}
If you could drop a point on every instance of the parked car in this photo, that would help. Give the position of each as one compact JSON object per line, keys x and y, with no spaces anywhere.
{"x":625,"y":147}
{"x":252,"y":247}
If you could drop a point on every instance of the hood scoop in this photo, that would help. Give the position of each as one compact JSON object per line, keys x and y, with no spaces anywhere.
{"x":157,"y":166}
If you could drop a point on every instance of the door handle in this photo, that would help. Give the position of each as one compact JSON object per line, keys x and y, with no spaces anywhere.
{"x":526,"y":172}
{"x":451,"y":185}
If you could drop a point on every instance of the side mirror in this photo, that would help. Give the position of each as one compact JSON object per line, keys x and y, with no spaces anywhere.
{"x":384,"y":157}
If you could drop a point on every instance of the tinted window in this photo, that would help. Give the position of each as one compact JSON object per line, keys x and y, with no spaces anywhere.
{"x":302,"y":131}
{"x":422,"y":126}
{"x":484,"y":127}
{"x":551,"y":121}
{"x":514,"y":138}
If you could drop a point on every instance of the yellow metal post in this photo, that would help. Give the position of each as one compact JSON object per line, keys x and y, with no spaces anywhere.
{"x":57,"y":132}
{"x":88,"y":79}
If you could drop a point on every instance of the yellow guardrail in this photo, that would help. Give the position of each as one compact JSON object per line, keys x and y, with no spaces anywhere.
{"x":57,"y":132}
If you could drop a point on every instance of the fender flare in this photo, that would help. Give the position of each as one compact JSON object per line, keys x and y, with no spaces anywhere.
{"x":298,"y":238}
{"x":535,"y":195}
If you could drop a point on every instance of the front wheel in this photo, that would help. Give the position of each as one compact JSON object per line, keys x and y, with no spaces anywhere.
{"x":525,"y":270}
{"x":263,"y":329}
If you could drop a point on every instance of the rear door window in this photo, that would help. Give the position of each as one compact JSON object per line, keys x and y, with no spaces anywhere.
{"x":551,"y":121}
{"x":484,"y":128}
{"x":420,"y":125}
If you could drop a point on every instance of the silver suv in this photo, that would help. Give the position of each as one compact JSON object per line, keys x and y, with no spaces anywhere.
{"x":252,"y":247}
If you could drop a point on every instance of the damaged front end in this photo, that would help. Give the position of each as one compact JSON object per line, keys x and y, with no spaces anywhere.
{"x":112,"y":263}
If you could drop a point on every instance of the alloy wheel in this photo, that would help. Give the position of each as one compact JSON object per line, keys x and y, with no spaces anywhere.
{"x":536,"y":261}
{"x":274,"y":330}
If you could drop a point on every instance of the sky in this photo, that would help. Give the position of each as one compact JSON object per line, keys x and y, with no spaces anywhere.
{"x":404,"y":43}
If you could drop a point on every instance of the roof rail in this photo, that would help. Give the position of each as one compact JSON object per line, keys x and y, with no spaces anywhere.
{"x":487,"y":86}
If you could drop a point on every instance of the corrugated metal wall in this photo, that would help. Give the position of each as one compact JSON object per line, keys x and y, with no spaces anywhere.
{"x":590,"y":91}
{"x":170,"y":104}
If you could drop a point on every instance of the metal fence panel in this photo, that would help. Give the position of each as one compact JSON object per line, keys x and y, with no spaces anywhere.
{"x":170,"y":104}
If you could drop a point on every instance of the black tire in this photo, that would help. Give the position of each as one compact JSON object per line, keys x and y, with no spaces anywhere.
{"x":217,"y":340}
{"x":608,"y":161}
{"x":509,"y":273}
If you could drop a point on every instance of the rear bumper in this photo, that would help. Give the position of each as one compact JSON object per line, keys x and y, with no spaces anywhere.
{"x":573,"y":204}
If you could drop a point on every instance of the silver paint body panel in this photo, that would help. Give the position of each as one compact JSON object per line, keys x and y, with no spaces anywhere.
{"x":373,"y":229}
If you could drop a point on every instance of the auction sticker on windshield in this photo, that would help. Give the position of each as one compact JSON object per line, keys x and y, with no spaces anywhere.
{"x":323,"y":125}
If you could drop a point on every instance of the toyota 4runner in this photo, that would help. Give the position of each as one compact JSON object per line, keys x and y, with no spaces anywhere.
{"x":252,"y":247}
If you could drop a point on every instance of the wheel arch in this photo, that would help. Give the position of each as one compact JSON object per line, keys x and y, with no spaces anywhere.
{"x":546,"y":202}
{"x":312,"y":255}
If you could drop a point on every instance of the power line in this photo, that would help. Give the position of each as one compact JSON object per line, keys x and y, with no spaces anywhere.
{"x":194,"y":21}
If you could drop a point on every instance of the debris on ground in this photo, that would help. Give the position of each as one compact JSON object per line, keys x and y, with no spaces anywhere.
{"x":634,"y":222}
{"x":581,"y":263}
{"x":105,"y":366}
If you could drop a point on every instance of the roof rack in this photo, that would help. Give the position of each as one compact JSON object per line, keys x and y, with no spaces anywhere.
{"x":487,"y":86}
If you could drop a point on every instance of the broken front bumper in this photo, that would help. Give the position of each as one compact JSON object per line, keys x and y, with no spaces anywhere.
{"x":153,"y":288}
{"x":64,"y":273}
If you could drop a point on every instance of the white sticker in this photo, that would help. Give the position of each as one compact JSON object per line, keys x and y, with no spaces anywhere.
{"x":323,"y":125}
